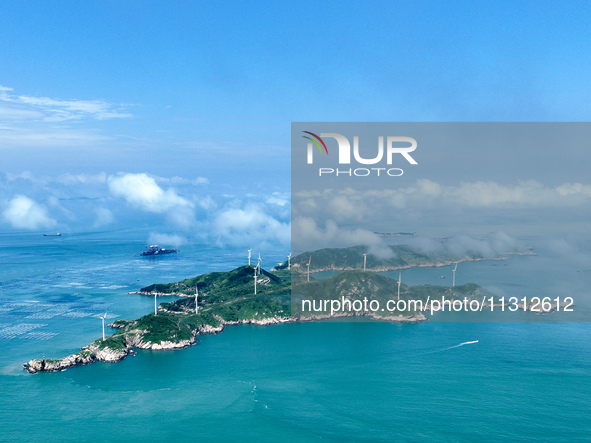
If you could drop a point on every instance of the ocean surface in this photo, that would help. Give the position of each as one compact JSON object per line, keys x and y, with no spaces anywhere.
{"x":326,"y":381}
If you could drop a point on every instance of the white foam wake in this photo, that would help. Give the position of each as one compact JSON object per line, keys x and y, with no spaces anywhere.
{"x":461,"y":344}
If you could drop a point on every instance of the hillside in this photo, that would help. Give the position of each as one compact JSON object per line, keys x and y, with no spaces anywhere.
{"x":359,"y":285}
{"x":228,"y":298}
{"x":402,"y":257}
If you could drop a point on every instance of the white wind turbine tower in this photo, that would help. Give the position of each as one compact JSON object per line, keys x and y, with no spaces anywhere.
{"x":255,"y":281}
{"x":249,"y":256}
{"x":102,"y":317}
{"x":454,"y":276}
{"x":364,"y":261}
{"x":155,"y":305}
{"x":259,"y":263}
{"x":399,"y":281}
{"x":309,"y":261}
{"x":289,"y":261}
{"x":196,"y":299}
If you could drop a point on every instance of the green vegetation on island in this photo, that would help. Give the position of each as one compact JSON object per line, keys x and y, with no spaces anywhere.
{"x":349,"y":286}
{"x":397,"y":257}
{"x":227,"y":298}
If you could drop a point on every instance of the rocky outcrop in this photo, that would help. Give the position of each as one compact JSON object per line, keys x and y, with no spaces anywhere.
{"x":99,"y":351}
{"x":209,"y":329}
{"x":253,"y":321}
{"x":160,"y":294}
{"x":414,"y":318}
{"x":168,"y":345}
{"x":88,"y":354}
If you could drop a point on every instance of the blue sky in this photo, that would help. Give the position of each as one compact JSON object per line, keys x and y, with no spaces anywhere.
{"x":194,"y":100}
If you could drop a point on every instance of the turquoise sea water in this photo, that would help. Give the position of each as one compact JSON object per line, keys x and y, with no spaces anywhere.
{"x":327,"y":381}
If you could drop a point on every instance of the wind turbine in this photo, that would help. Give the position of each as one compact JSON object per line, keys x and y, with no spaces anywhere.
{"x":196,"y":299}
{"x":102,"y":317}
{"x":399,"y":280}
{"x":255,"y":281}
{"x":309,"y":261}
{"x":259,"y":263}
{"x":249,"y":256}
{"x":155,"y":305}
{"x":289,"y":261}
{"x":454,"y":276}
{"x":364,"y":261}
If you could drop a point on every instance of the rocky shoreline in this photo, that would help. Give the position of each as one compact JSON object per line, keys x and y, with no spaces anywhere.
{"x":95,"y":352}
{"x":160,"y":294}
{"x":134,"y":339}
{"x":88,"y":354}
{"x":226,"y":299}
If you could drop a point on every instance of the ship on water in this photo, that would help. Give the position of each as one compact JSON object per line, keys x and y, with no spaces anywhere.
{"x":57,"y":234}
{"x":157,"y":250}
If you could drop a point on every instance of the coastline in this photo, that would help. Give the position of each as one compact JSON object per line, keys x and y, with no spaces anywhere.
{"x":94,"y":352}
{"x":400,"y":268}
{"x":225,"y":299}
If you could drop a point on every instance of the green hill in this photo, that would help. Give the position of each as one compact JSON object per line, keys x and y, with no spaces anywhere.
{"x":228,"y":298}
{"x":359,"y":285}
{"x":401,"y":257}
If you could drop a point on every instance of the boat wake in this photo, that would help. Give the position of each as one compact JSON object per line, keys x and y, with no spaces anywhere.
{"x":461,"y":344}
{"x":453,"y":347}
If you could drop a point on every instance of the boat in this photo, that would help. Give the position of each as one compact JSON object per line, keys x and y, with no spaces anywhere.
{"x":157,"y":250}
{"x":57,"y":234}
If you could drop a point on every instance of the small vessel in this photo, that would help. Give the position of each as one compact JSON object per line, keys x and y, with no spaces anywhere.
{"x":157,"y":250}
{"x":57,"y":234}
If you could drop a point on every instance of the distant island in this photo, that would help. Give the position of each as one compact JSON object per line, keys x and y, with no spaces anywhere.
{"x":399,"y":257}
{"x":396,"y":234}
{"x":228,"y":298}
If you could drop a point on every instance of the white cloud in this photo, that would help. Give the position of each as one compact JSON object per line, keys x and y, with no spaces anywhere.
{"x":491,"y":194}
{"x":182,"y":217}
{"x":157,"y":238}
{"x":25,"y":175}
{"x":201,"y":181}
{"x":142,"y":191}
{"x":494,"y":245}
{"x":29,"y":108}
{"x":70,"y":179}
{"x":34,"y":135}
{"x":185,"y":181}
{"x":574,"y":189}
{"x":12,"y":113}
{"x":250,"y":225}
{"x":25,"y":213}
{"x":572,"y":252}
{"x":353,"y":205}
{"x":307,"y":235}
{"x":41,"y":121}
{"x":207,"y":203}
{"x":278,"y":199}
{"x":103,"y":217}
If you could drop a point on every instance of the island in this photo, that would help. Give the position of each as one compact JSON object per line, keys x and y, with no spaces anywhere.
{"x":281,"y":296}
{"x":397,"y":257}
